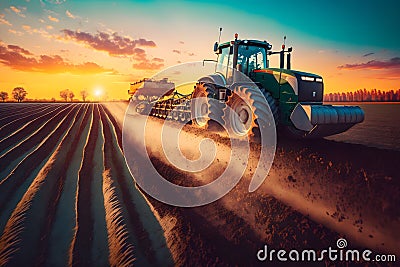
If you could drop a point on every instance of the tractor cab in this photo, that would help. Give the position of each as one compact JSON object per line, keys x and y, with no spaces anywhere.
{"x":242,"y":55}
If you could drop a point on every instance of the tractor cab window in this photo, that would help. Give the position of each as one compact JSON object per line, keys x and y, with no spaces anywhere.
{"x":251,"y":58}
{"x":225,"y":62}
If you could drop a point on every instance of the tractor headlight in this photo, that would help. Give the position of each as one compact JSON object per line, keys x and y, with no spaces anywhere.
{"x":306,"y":78}
{"x":318,"y":80}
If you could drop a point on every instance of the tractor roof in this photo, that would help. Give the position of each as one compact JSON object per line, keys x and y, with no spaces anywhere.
{"x":247,"y":42}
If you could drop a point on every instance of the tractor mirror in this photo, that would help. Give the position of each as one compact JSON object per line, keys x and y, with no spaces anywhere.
{"x":215,"y":46}
{"x":290,"y":49}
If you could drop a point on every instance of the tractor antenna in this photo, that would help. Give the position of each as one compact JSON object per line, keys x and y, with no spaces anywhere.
{"x":284,"y":42}
{"x":219,"y":38}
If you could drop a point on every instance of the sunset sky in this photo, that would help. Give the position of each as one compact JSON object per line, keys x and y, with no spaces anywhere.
{"x":50,"y":45}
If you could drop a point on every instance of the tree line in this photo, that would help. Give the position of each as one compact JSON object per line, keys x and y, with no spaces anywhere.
{"x":19,"y":94}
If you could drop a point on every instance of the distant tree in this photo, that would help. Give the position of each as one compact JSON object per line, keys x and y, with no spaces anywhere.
{"x":84,"y":95}
{"x":53,"y":99}
{"x":64,"y":94}
{"x":71,"y":95}
{"x":19,"y":94}
{"x":4,"y":96}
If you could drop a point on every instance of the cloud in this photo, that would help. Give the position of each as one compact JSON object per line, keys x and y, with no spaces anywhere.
{"x":4,"y":21}
{"x":181,"y":42}
{"x":19,"y":49}
{"x":191,"y":54}
{"x":69,"y":14}
{"x":373,"y":64}
{"x":176,"y":51}
{"x":54,"y":2}
{"x":18,"y":11}
{"x":143,"y":63}
{"x":40,"y":31}
{"x":26,"y":28}
{"x":368,"y":54}
{"x":18,"y":33}
{"x":53,"y":19}
{"x":154,"y":64}
{"x":21,"y":59}
{"x":117,"y":46}
{"x":113,"y":44}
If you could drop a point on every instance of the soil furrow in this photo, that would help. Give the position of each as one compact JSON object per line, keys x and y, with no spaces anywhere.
{"x":20,"y":120}
{"x":80,"y":251}
{"x":19,"y":174}
{"x":18,"y":111}
{"x":63,"y":229}
{"x":142,"y":218}
{"x":20,"y":242}
{"x":29,"y":127}
{"x":116,"y":166}
{"x":33,"y":141}
{"x":58,"y":174}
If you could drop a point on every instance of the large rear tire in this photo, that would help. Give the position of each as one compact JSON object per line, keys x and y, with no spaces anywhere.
{"x":203,"y":110}
{"x":248,"y":102}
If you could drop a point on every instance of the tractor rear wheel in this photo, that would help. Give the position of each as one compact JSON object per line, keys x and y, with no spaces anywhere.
{"x":203,"y":110}
{"x":248,"y":102}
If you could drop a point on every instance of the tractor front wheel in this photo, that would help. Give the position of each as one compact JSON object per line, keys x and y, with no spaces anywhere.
{"x":247,"y":110}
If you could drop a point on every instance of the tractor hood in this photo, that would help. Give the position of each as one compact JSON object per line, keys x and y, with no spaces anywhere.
{"x":307,"y":86}
{"x":310,"y":87}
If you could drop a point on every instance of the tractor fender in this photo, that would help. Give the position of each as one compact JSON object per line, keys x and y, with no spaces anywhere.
{"x":216,"y":79}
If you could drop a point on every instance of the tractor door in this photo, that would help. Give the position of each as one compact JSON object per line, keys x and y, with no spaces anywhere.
{"x":225,"y":63}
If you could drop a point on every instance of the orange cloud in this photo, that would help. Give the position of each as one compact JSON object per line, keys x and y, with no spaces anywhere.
{"x":146,"y":64}
{"x":19,"y":58}
{"x":113,"y":44}
{"x":117,"y":46}
{"x":40,"y":31}
{"x":53,"y":19}
{"x":374,"y":64}
{"x":18,"y":49}
{"x":4,"y":21}
{"x":156,"y":59}
{"x":176,"y":51}
{"x":26,"y":27}
{"x":18,"y":33}
{"x":18,"y":11}
{"x":69,"y":14}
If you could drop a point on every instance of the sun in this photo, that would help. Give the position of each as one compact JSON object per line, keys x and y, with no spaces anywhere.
{"x":98,"y":92}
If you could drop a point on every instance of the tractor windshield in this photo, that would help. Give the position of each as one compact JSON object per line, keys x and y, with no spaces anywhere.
{"x":251,"y":57}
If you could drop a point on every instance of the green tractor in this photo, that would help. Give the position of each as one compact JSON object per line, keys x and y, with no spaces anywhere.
{"x":295,"y":98}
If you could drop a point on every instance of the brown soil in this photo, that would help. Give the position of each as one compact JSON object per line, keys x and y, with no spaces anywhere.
{"x":317,"y":191}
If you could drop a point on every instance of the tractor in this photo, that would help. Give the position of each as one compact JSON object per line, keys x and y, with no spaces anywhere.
{"x":295,"y":98}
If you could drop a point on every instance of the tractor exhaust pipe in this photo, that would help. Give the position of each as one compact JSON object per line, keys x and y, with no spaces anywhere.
{"x":288,"y":62}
